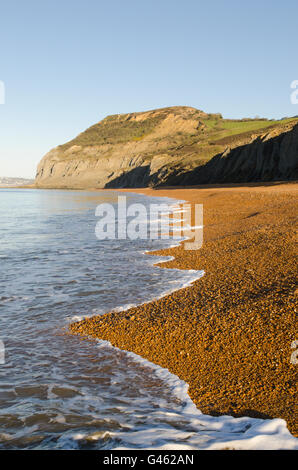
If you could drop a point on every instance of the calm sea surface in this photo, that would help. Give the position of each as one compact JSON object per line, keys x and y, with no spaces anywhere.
{"x":58,"y":392}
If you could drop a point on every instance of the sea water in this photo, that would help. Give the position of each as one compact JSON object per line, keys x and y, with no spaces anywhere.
{"x":59,"y":392}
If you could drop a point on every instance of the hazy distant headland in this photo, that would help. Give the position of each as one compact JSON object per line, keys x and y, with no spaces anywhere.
{"x":173,"y":146}
{"x":11,"y":182}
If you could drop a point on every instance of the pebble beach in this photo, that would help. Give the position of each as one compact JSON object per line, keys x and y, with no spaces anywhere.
{"x":229,"y":334}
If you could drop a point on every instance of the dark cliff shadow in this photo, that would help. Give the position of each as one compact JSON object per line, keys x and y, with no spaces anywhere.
{"x":263,"y":161}
{"x":272,"y":160}
{"x":136,"y":178}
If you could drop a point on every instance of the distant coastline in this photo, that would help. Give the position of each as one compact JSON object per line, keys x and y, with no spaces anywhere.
{"x":9,"y":182}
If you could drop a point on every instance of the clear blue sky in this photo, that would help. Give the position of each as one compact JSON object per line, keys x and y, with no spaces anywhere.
{"x":67,"y":64}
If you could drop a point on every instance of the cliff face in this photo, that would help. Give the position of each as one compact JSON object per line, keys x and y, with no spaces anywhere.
{"x":170,"y":146}
{"x":272,"y":156}
{"x":121,"y":150}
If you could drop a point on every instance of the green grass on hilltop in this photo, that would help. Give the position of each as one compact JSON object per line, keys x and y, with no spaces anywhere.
{"x":212,"y":135}
{"x":113,"y":131}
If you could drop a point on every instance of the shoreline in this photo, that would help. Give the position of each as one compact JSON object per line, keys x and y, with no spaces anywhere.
{"x":210,"y":336}
{"x":210,"y":341}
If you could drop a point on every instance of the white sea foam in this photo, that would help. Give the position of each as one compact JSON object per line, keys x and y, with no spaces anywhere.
{"x":197,"y":431}
{"x":201,"y":431}
{"x":191,"y":276}
{"x":104,"y":397}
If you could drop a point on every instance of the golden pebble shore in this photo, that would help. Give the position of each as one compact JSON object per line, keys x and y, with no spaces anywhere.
{"x":229,"y":334}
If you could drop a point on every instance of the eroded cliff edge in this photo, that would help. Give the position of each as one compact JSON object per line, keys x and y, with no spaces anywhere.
{"x":172,"y":146}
